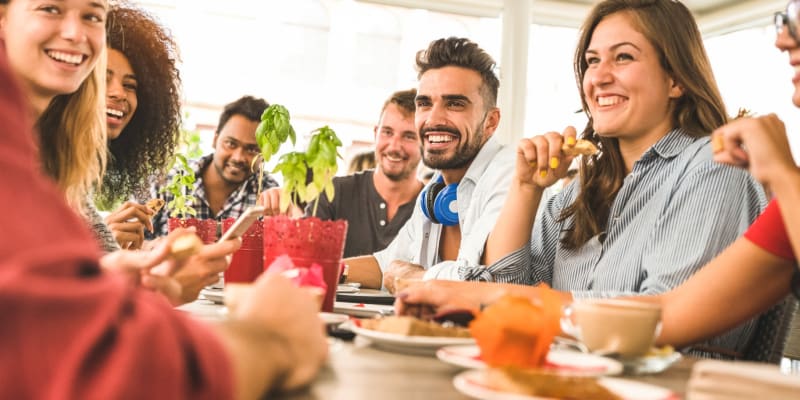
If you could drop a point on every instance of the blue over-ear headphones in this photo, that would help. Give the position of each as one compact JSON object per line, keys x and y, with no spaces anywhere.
{"x":439,"y":202}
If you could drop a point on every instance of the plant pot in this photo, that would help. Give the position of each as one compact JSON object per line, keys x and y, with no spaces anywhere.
{"x":248,"y":262}
{"x":205,"y":228}
{"x":307,"y":241}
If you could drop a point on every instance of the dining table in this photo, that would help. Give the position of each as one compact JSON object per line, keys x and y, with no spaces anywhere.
{"x":355,"y":370}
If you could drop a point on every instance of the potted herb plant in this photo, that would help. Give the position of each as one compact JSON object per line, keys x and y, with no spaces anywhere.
{"x":306,"y":241}
{"x":180,"y":207}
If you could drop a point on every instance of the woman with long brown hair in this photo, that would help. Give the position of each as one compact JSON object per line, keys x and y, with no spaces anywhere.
{"x":651,"y":207}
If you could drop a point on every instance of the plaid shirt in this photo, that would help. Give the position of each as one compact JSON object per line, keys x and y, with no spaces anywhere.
{"x":242,"y":198}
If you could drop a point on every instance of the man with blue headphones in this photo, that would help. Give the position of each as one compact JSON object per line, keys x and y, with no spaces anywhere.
{"x":456,"y":116}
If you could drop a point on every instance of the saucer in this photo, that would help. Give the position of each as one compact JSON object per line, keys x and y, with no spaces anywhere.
{"x":657,"y":360}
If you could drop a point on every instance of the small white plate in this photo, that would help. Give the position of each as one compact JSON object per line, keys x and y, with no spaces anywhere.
{"x":362,"y":310}
{"x":562,"y":362}
{"x":652,"y":363}
{"x":333,"y":318}
{"x":423,"y":345}
{"x":346,"y":289}
{"x":213,"y":295}
{"x":474,"y":383}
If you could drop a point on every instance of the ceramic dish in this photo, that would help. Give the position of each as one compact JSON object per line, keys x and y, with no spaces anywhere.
{"x":420,"y":345}
{"x":474,"y":383}
{"x":562,"y":362}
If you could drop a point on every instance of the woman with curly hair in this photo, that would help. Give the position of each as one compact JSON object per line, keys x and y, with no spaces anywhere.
{"x":143,"y":115}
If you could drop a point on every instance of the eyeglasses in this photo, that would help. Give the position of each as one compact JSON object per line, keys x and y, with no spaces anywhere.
{"x":790,"y":19}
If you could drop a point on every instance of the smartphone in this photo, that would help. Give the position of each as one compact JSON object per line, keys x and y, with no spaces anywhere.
{"x":241,"y":224}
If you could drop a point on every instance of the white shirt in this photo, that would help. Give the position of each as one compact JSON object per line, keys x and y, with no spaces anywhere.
{"x":481,"y":194}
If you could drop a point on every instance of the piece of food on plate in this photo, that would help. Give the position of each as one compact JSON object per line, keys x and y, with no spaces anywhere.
{"x":155,"y":204}
{"x":411,"y":326}
{"x":540,"y":384}
{"x":185,"y":246}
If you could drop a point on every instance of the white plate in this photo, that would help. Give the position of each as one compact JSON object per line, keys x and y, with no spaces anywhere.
{"x":333,"y":318}
{"x":651,"y":364}
{"x":346,"y":289}
{"x":564,"y":362}
{"x":362,"y":310}
{"x":423,"y":345}
{"x":473,"y":383}
{"x":214,"y":295}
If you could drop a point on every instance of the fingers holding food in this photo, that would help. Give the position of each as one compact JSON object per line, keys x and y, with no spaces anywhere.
{"x":131,"y":217}
{"x":155,"y":204}
{"x":185,"y":246}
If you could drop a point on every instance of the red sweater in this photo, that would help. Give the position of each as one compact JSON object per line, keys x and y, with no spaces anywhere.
{"x":67,"y":330}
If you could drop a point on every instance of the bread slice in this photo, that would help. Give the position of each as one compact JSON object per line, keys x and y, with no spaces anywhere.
{"x":411,"y":326}
{"x":543,"y":384}
{"x":185,"y":246}
{"x":582,"y":147}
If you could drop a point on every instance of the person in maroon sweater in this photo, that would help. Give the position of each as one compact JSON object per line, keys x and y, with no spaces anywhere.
{"x":72,"y":328}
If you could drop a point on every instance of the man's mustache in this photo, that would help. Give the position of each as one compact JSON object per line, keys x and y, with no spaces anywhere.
{"x":440,"y":128}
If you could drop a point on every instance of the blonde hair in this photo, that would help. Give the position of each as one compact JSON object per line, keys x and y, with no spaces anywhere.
{"x":73,"y":137}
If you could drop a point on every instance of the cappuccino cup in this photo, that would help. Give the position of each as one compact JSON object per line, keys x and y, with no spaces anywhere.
{"x":613,"y":326}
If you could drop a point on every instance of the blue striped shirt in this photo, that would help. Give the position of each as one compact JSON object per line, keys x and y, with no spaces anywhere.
{"x":676,"y":211}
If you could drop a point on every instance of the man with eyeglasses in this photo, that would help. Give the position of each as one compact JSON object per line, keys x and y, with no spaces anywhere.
{"x":225,"y":185}
{"x":790,"y":18}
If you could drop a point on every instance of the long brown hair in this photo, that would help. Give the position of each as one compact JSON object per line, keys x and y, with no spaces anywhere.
{"x":73,"y":137}
{"x":672,"y":30}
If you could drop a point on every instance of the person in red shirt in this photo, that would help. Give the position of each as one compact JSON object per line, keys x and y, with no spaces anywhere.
{"x":72,"y":329}
{"x":754,"y":273}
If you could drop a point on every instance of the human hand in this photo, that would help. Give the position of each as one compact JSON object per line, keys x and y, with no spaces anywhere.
{"x":401,"y":270}
{"x":758,"y":144}
{"x":540,"y":159}
{"x":271,"y":200}
{"x":203,"y":269}
{"x":128,"y":222}
{"x":150,"y":269}
{"x":426,"y":299}
{"x":288,"y":314}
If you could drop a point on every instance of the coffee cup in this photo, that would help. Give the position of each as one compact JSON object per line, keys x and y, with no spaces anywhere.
{"x":613,"y":326}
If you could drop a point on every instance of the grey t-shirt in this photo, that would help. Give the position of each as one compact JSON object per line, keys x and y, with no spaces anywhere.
{"x":357,"y":201}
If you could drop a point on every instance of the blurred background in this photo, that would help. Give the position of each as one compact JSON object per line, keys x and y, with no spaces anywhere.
{"x":333,"y":62}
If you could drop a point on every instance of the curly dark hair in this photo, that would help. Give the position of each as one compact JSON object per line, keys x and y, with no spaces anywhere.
{"x":147,"y":144}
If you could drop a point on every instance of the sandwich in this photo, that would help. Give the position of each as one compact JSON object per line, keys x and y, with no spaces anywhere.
{"x":411,"y":326}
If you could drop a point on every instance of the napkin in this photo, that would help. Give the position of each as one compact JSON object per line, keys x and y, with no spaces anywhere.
{"x":302,"y":277}
{"x":724,"y":380}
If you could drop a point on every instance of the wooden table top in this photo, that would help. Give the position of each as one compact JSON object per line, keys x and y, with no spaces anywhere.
{"x":356,"y":370}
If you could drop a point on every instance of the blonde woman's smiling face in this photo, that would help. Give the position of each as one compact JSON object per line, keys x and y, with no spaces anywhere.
{"x":53,"y":45}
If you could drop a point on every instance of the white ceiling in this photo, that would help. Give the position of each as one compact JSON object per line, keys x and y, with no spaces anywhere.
{"x":713,"y":16}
